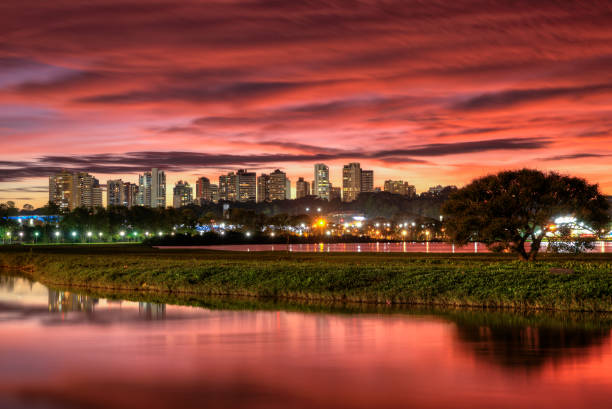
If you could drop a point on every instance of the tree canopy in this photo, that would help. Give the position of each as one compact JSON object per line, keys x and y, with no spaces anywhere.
{"x":512,"y":208}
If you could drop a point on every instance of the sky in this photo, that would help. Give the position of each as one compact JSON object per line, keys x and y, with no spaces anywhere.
{"x":432,"y":92}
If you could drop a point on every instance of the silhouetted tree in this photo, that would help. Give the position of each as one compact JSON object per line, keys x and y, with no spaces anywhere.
{"x":508,"y":209}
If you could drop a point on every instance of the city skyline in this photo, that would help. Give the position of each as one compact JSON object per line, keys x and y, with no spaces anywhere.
{"x":437,"y":92}
{"x":69,"y":190}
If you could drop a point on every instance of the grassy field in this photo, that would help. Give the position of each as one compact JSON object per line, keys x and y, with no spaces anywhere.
{"x":487,"y":280}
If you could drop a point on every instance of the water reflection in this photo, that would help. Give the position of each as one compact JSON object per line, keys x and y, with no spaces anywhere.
{"x":530,"y":340}
{"x":233,"y":353}
{"x":65,"y":301}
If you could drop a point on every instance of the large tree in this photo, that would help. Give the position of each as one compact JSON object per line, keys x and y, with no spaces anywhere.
{"x":509,"y":209}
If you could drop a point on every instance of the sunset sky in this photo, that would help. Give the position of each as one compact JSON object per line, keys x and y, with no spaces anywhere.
{"x":432,"y":92}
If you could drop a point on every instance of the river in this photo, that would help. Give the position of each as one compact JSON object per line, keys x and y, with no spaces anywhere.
{"x":61,"y":349}
{"x":380,"y":247}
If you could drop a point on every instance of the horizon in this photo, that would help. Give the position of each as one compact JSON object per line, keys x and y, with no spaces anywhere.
{"x":423,"y":92}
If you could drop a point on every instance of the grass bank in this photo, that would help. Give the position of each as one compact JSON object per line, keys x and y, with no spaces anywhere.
{"x":483,"y":280}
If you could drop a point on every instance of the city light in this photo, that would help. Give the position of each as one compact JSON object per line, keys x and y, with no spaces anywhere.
{"x":57,"y":234}
{"x":272,"y":234}
{"x":74,"y":234}
{"x":248,"y":234}
{"x":122,"y":233}
{"x":89,"y":234}
{"x":160,"y":234}
{"x":20,"y":234}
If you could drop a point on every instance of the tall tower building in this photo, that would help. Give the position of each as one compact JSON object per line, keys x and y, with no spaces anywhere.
{"x":278,"y":185}
{"x":144,"y":189}
{"x":90,"y":191}
{"x":302,"y":188}
{"x":263,"y":188}
{"x":203,"y":190}
{"x":223,"y":187}
{"x":367,"y":181}
{"x":115,"y":193}
{"x":130,"y":194}
{"x":214,"y":193}
{"x":64,"y":190}
{"x":158,"y":188}
{"x":321,"y":181}
{"x":246,"y":185}
{"x":351,"y":181}
{"x":182,"y":194}
{"x":152,"y":188}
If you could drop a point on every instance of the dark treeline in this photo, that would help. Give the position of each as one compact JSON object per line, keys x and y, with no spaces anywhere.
{"x":139,"y":222}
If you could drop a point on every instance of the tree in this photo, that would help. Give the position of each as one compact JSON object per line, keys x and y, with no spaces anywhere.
{"x":507,"y":210}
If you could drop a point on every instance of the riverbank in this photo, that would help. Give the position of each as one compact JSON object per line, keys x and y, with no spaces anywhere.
{"x":478,"y":280}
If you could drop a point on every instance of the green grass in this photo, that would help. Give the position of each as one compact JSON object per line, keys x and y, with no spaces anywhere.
{"x":487,"y":280}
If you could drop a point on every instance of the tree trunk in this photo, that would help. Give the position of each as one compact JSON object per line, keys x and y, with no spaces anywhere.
{"x":520,"y":250}
{"x":535,"y":248}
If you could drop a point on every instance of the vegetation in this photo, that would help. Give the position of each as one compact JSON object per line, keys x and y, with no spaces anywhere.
{"x":507,"y":210}
{"x":490,"y":280}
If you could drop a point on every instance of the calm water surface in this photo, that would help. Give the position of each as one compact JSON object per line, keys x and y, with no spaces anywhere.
{"x":403,"y":247}
{"x":66,"y":350}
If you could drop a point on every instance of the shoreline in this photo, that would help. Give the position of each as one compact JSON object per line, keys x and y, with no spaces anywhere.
{"x":441,"y":280}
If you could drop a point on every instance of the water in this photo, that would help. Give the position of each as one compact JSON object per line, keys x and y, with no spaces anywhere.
{"x":68,"y":350}
{"x":403,"y":247}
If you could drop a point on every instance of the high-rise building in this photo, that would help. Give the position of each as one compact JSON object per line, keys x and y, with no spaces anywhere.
{"x":246,"y":185}
{"x":400,"y":187}
{"x":263,"y":188}
{"x":158,"y":188}
{"x":287,"y":189}
{"x":115,"y":191}
{"x":203,"y":190}
{"x":182,"y":194}
{"x":144,"y":189}
{"x":278,"y":185}
{"x":351,"y":181}
{"x":214,"y":193}
{"x":64,"y":190}
{"x":71,"y":190}
{"x":228,"y":187}
{"x":223,"y":187}
{"x":90,"y":191}
{"x":130,"y":194}
{"x":152,"y":188}
{"x":302,"y":188}
{"x":321,"y":181}
{"x":367,"y":181}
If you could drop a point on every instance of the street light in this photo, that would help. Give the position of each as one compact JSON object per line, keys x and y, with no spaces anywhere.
{"x":121,"y":234}
{"x":35,"y":236}
{"x":248,"y":234}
